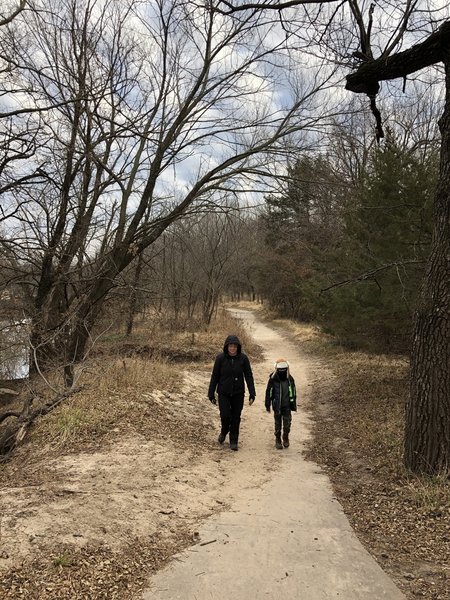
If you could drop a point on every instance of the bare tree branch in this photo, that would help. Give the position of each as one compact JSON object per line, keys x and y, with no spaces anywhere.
{"x":371,"y":274}
{"x":37,"y":109}
{"x":19,"y":9}
{"x":13,"y":434}
{"x":401,"y":29}
{"x":6,"y":415}
{"x":268,"y":5}
{"x":364,"y":35}
{"x":365,"y":80}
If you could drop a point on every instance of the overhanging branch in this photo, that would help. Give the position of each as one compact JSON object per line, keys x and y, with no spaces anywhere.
{"x":433,"y":50}
{"x":267,"y":5}
{"x":366,"y":79}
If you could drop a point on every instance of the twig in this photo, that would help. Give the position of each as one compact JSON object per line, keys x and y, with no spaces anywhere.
{"x":206,"y":543}
{"x":370,"y":274}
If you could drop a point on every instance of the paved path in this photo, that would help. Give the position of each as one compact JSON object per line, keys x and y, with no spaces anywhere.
{"x":287,"y":539}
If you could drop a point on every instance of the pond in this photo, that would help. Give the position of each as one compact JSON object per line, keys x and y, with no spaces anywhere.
{"x":14,"y":349}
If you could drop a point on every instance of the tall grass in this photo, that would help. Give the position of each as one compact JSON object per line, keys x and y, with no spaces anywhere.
{"x":122,"y":371}
{"x":66,"y":423}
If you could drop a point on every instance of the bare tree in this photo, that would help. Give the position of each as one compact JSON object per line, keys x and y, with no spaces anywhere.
{"x":155,"y":109}
{"x":199,"y":262}
{"x":8,"y":17}
{"x":214,"y":248}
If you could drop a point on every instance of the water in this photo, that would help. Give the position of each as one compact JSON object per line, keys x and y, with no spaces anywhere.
{"x":14,"y":349}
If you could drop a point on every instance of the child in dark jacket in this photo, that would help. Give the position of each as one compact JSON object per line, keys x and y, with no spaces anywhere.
{"x":281,"y":396}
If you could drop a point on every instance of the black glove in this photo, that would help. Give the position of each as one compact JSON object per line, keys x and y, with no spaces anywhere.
{"x":213,"y":400}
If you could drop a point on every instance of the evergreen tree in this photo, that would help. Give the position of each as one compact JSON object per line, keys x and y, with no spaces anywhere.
{"x":387,"y":238}
{"x":302,"y":225}
{"x":373,"y":234}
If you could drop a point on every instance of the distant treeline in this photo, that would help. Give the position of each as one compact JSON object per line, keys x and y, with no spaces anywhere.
{"x":341,"y":245}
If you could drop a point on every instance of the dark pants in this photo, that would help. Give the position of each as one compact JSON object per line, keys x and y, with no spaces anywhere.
{"x":230,"y":415}
{"x":283,"y":419}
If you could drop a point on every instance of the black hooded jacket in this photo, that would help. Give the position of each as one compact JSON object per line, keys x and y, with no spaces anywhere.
{"x":274,"y":393}
{"x":229,"y":372}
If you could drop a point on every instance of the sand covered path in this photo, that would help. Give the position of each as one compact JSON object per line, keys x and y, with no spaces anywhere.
{"x":284,"y":534}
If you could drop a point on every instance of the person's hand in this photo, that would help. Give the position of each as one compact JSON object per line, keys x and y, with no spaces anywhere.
{"x":251,"y":400}
{"x":213,"y":400}
{"x":268,"y":409}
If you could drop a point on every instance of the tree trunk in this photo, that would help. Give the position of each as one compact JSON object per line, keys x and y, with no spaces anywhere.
{"x":427,"y":433}
{"x":210,"y":300}
{"x":132,"y":305}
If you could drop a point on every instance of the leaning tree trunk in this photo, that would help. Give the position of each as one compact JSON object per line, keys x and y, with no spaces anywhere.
{"x":427,"y":434}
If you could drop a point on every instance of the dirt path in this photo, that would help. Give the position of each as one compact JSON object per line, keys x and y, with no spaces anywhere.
{"x":270,"y":524}
{"x":284,"y":535}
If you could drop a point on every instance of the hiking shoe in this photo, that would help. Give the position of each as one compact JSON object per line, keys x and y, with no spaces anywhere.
{"x":221,"y":438}
{"x":286,"y":441}
{"x":278,"y":444}
{"x":233,"y":446}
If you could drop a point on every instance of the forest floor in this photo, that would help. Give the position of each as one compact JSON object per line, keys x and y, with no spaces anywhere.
{"x":106,"y":491}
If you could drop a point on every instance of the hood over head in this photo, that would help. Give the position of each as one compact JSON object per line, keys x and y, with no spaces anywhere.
{"x":232,"y":339}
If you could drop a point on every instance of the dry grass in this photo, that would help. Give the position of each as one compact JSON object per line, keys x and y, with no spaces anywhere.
{"x":153,"y":339}
{"x":110,"y":399}
{"x":305,"y":334}
{"x":66,"y":425}
{"x":115,"y":382}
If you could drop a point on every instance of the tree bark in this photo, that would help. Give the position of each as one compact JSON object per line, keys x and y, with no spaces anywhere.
{"x":433,"y":50}
{"x":133,"y":302}
{"x":427,"y":434}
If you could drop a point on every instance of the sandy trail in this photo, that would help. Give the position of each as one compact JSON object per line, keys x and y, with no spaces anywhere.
{"x":270,"y":523}
{"x":284,"y":535}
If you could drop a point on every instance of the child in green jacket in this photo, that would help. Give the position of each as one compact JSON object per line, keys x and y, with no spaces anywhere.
{"x":281,"y":395}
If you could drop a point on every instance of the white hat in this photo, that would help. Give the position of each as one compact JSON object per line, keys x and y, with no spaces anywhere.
{"x":281,"y":363}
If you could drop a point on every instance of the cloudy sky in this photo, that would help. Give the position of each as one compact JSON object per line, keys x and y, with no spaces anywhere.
{"x":202,"y":90}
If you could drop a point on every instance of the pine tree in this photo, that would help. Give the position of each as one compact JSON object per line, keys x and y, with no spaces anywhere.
{"x":387,"y":238}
